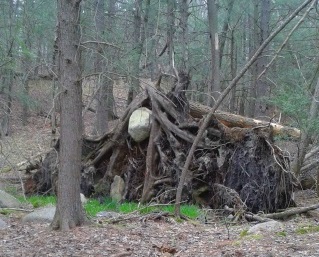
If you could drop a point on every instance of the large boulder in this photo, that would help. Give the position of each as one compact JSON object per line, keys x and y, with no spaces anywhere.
{"x":140,"y":124}
{"x":117,"y":188}
{"x":41,"y":215}
{"x":8,"y":201}
{"x":269,"y":226}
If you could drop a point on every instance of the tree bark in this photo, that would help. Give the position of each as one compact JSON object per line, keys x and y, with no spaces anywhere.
{"x":69,"y":212}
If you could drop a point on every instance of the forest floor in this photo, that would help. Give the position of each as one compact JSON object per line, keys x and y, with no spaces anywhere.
{"x":141,"y":236}
{"x":161,"y":237}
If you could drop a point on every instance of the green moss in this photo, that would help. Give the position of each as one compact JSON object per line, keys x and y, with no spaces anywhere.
{"x":307,"y":229}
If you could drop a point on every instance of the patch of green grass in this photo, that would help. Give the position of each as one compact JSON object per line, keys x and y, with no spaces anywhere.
{"x":243,"y":233}
{"x":12,"y":191}
{"x":6,"y":211}
{"x":307,"y":229}
{"x":94,"y":206}
{"x":282,"y":234}
{"x":128,"y":207}
{"x":40,"y":201}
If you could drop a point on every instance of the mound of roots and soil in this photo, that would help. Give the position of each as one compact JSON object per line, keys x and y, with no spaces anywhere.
{"x":233,"y":166}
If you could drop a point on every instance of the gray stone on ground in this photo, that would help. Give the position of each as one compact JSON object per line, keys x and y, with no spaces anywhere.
{"x":41,"y":215}
{"x":3,"y":224}
{"x":269,"y":226}
{"x":140,"y":124}
{"x":8,"y":201}
{"x":117,"y":188}
{"x":108,"y":214}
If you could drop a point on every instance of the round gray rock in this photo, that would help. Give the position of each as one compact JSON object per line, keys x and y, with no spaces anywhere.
{"x":269,"y":226}
{"x":8,"y":201}
{"x":3,"y":224}
{"x":41,"y":215}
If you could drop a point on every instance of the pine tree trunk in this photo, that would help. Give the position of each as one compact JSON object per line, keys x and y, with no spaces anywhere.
{"x":69,"y":212}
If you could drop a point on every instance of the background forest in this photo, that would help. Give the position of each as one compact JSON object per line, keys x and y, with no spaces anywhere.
{"x":128,"y":44}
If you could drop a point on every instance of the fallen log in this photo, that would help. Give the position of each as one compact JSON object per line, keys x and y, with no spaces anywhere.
{"x":230,"y":120}
{"x":293,"y":211}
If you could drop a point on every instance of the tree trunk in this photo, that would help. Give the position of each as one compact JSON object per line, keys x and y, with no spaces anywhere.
{"x":262,"y":90}
{"x":253,"y":45}
{"x":69,"y":212}
{"x":170,"y":31}
{"x":225,"y":29}
{"x":140,"y":24}
{"x":184,"y":35}
{"x":214,"y":87}
{"x":104,"y":96}
{"x":306,"y":135}
{"x":233,"y":70}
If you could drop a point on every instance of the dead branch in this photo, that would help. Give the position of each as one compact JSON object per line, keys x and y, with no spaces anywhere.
{"x":290,"y":212}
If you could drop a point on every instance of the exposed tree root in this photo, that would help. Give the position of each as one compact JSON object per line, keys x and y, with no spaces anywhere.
{"x":238,"y":167}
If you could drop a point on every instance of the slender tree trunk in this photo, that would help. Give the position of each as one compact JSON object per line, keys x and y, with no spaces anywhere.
{"x":27,"y":64}
{"x":69,"y":212}
{"x":55,"y":85}
{"x":152,"y":38}
{"x":214,"y":87}
{"x":306,"y":135}
{"x":170,"y":31}
{"x":100,"y":67}
{"x":140,"y":27}
{"x":262,"y":90}
{"x":137,"y":50}
{"x":233,"y":68}
{"x":184,"y":35}
{"x":225,"y":29}
{"x":253,"y":45}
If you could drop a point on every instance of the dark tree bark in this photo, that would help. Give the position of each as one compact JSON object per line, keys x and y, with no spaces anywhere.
{"x":69,"y":212}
